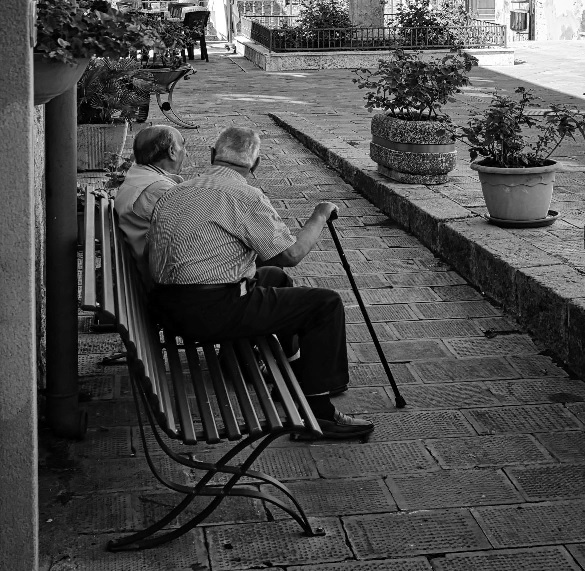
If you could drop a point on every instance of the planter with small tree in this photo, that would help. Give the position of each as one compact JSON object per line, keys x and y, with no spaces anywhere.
{"x":411,"y":141}
{"x":69,"y":33}
{"x":511,"y":151}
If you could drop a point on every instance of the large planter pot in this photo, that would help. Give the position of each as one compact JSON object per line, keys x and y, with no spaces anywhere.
{"x":52,"y":78}
{"x":418,"y":152}
{"x":94,"y":141}
{"x":522,"y":194}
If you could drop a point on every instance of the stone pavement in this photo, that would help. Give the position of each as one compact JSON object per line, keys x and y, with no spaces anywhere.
{"x":484,"y":469}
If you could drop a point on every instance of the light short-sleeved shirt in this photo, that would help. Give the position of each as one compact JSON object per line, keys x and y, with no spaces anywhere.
{"x":210,"y":230}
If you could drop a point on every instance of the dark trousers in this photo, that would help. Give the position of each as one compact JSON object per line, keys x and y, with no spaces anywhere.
{"x":313,"y":315}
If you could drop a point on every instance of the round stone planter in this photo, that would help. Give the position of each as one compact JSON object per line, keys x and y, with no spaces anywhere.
{"x":52,"y":78}
{"x":417,"y":152}
{"x":517,"y":193}
{"x":95,"y":141}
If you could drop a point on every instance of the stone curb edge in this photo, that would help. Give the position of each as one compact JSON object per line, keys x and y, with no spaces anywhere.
{"x":544,"y":295}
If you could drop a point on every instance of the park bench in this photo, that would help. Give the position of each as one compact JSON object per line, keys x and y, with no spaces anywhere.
{"x":188,"y":394}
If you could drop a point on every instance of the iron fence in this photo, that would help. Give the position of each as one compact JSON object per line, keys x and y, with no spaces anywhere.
{"x":279,"y":34}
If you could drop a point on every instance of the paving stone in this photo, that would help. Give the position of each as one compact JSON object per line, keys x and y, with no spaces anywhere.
{"x":508,"y":345}
{"x":565,"y":446}
{"x":406,"y":424}
{"x":578,"y":410}
{"x":105,"y":443}
{"x":289,"y":464}
{"x":364,"y":400}
{"x":446,"y":310}
{"x":437,"y":328}
{"x":434,"y":531}
{"x":528,"y":391}
{"x":331,"y":256}
{"x":538,"y":418}
{"x":377,"y":313}
{"x":533,"y":524}
{"x":374,"y":374}
{"x":385,"y":267}
{"x":397,"y":254}
{"x":354,"y":460}
{"x":352,"y":243}
{"x":359,"y":332}
{"x":457,"y":293}
{"x":410,"y":564}
{"x":398,"y":295}
{"x":493,"y":326}
{"x":99,"y":387}
{"x":485,"y":451}
{"x":400,"y":350}
{"x":91,"y":365}
{"x":425,"y":279}
{"x":386,"y":230}
{"x":104,"y":513}
{"x":473,"y":369}
{"x":322,"y":498}
{"x":536,"y":366}
{"x":534,"y":559}
{"x":106,"y":414}
{"x":578,"y":552}
{"x":452,"y":488}
{"x":405,"y":241}
{"x":342,"y":282}
{"x":316,"y":269}
{"x":280,"y":543}
{"x":454,"y":395}
{"x":549,"y":482}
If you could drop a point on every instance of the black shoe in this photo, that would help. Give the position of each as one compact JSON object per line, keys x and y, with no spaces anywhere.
{"x":342,"y":427}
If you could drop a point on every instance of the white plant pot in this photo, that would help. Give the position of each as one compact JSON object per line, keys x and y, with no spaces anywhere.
{"x":95,"y":141}
{"x":517,"y":193}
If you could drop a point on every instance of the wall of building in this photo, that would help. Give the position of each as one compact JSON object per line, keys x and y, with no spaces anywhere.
{"x":559,"y":19}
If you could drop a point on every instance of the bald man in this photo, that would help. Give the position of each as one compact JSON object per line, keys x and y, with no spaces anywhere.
{"x":159,"y":152}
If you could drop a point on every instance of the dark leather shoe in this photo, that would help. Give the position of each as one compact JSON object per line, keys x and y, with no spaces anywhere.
{"x":342,"y":427}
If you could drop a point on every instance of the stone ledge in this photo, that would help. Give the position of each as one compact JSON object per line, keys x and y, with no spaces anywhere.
{"x":290,"y":61}
{"x":545,"y":295}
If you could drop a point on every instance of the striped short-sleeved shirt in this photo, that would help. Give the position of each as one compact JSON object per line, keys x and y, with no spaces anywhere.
{"x":210,"y":230}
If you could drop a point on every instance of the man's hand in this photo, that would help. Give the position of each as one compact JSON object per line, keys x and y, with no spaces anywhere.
{"x":325,"y":209}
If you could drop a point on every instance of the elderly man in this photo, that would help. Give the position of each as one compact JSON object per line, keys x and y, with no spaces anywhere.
{"x":205,"y":237}
{"x":159,"y":152}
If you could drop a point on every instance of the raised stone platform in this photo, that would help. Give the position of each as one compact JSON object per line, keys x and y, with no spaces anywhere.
{"x":291,"y":61}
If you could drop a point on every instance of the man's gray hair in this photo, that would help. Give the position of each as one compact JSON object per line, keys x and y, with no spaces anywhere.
{"x":152,"y":144}
{"x":238,"y":145}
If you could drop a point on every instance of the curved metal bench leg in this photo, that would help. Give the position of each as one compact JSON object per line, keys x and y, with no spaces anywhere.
{"x":167,"y":108}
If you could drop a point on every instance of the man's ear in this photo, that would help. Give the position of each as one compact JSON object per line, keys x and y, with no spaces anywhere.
{"x":213,"y":153}
{"x":255,"y":165}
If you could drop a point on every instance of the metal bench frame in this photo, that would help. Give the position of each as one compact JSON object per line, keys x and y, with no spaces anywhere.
{"x":163,"y":394}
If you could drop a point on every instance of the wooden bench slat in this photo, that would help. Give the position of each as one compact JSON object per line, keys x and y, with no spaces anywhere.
{"x":180,"y":386}
{"x":225,"y":406}
{"x":287,"y":401}
{"x":294,"y":387}
{"x":244,"y":350}
{"x":108,"y":305}
{"x":121,"y":309}
{"x":201,"y":395}
{"x":89,"y":295}
{"x":239,"y":385}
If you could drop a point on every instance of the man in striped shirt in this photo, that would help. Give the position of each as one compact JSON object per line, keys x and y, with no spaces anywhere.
{"x":159,"y":152}
{"x":204,"y":239}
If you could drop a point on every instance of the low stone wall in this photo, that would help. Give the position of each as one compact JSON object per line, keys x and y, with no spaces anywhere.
{"x":291,"y":61}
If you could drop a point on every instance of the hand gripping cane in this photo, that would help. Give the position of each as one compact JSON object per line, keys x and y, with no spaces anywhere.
{"x":400,"y":402}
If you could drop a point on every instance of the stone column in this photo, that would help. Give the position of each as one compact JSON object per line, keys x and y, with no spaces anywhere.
{"x":18,"y":406}
{"x":366,"y":13}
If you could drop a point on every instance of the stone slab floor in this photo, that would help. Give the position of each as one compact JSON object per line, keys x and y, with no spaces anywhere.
{"x":484,"y":469}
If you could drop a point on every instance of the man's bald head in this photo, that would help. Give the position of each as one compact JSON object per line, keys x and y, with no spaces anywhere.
{"x":152,"y":144}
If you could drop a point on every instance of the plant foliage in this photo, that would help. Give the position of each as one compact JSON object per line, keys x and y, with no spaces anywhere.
{"x":507,"y":136}
{"x":66,"y":31}
{"x":111,"y":90}
{"x":408,"y":86}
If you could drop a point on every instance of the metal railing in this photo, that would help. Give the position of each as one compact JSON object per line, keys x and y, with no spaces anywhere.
{"x":279,"y":34}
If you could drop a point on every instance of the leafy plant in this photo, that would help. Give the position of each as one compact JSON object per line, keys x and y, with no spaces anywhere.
{"x":409,"y":87}
{"x":116,"y":168}
{"x":319,"y":14}
{"x":506,"y":136}
{"x":112,"y":90}
{"x":66,"y":31}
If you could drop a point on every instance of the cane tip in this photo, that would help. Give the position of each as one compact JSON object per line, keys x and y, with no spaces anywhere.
{"x":400,"y":402}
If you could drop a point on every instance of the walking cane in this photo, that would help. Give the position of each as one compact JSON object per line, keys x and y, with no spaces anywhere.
{"x":400,"y":402}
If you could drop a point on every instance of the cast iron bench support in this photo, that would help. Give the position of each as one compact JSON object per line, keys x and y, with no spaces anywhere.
{"x":183,"y":401}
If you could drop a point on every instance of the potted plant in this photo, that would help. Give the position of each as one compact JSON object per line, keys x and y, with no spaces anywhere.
{"x":108,"y":95}
{"x":410,"y":141}
{"x":69,"y":33}
{"x":511,"y":151}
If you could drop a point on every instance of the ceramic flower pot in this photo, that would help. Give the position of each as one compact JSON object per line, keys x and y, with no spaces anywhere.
{"x":517,"y":193}
{"x":418,"y":152}
{"x":52,"y":78}
{"x":95,"y":141}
